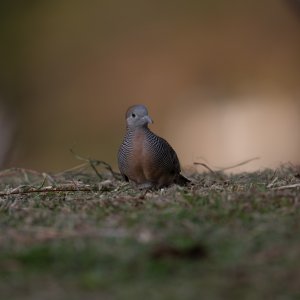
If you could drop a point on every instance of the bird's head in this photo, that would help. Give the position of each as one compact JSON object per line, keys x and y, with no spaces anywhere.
{"x":137,"y":116}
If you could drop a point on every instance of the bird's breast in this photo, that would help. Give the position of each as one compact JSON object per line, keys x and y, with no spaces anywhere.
{"x":137,"y":158}
{"x":143,"y":160}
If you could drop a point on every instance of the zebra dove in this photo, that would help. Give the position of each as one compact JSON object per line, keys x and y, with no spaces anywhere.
{"x":145,"y":158}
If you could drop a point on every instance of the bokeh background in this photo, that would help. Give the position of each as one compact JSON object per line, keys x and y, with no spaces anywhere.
{"x":221,"y":79}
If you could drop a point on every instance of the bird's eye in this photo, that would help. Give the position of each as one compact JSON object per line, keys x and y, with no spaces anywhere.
{"x":133,"y":115}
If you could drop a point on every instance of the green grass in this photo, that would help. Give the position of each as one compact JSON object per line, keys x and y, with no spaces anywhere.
{"x":225,"y":237}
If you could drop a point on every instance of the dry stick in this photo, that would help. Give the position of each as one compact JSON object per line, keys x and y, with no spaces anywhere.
{"x":72,"y":169}
{"x":49,"y":189}
{"x":289,"y":186}
{"x":230,"y":167}
{"x":116,"y":175}
{"x":240,"y":164}
{"x":217,"y":175}
{"x":46,"y":177}
{"x":25,"y":172}
{"x":272,"y":182}
{"x":87,"y":160}
{"x":95,"y":169}
{"x":94,"y":162}
{"x":43,"y":183}
{"x":205,"y":166}
{"x":12,"y":171}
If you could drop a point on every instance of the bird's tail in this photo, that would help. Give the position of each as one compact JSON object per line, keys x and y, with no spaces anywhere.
{"x":181,"y":180}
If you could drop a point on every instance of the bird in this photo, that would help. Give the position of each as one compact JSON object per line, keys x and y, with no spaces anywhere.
{"x":144,"y":158}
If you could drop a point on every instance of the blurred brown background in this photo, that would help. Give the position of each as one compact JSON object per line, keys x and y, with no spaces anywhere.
{"x":221,"y":79}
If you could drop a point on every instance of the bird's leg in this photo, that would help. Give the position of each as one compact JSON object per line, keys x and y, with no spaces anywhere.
{"x":145,"y":186}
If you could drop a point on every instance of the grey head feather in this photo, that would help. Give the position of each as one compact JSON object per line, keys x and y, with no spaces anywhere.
{"x":137,"y":116}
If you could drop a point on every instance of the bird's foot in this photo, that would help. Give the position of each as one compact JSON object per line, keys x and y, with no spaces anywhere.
{"x":145,"y":186}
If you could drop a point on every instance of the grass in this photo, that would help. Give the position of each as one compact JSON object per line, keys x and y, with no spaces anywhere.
{"x":225,"y":237}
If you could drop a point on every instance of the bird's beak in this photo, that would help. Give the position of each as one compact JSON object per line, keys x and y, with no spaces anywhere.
{"x":148,"y":119}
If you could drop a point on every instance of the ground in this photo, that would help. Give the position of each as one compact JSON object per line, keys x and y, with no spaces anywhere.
{"x":86,"y":235}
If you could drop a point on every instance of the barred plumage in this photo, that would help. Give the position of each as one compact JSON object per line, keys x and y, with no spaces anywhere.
{"x":145,"y":158}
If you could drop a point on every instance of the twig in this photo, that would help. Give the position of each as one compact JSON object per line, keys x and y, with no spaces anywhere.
{"x":43,"y":183}
{"x":272,"y":182}
{"x":13,"y":171}
{"x":94,"y":162}
{"x":116,"y":175}
{"x":289,"y":186}
{"x":72,"y":169}
{"x":49,"y":189}
{"x":95,"y":169}
{"x":205,"y":166}
{"x":240,"y":164}
{"x":227,"y":168}
{"x":90,"y":161}
{"x":216,"y":174}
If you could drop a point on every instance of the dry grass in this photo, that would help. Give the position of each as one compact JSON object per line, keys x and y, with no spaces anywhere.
{"x":225,"y":236}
